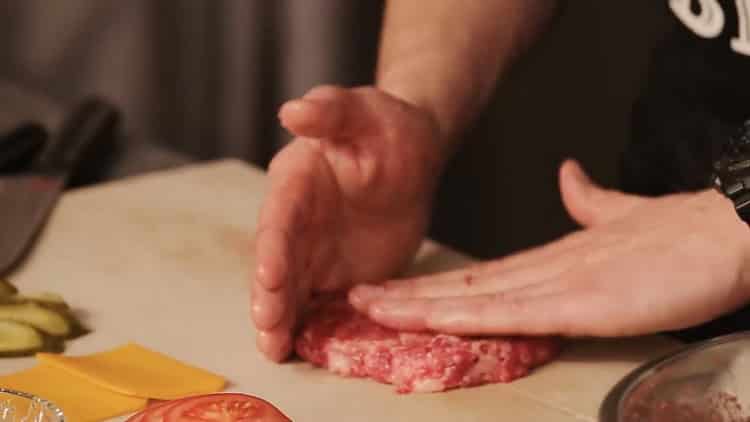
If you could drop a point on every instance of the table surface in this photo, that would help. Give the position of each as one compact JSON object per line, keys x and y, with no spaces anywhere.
{"x":164,"y":259}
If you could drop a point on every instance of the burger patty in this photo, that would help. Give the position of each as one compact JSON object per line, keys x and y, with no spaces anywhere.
{"x":336,"y":337}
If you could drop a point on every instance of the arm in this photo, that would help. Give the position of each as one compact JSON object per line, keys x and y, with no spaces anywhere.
{"x":349,"y":197}
{"x":447,"y":58}
{"x":638,"y":265}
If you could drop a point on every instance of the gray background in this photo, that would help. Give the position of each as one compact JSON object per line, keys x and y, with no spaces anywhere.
{"x":202,"y":79}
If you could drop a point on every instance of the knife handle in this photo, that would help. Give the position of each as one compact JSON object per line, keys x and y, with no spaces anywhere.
{"x":19,"y":147}
{"x":94,"y":121}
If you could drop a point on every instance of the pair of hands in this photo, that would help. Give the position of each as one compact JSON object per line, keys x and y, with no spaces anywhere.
{"x":349,"y":204}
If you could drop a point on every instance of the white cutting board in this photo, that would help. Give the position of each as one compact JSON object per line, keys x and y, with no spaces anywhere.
{"x":164,"y":260}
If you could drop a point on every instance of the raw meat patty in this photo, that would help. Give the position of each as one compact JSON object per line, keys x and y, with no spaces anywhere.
{"x":336,"y":337}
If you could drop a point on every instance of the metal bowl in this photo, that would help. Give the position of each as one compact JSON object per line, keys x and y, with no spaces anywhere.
{"x":705,"y":381}
{"x":17,"y":406}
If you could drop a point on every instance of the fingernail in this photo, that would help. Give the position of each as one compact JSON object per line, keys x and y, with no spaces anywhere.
{"x":366,"y":294}
{"x":396,"y":314}
{"x":382,"y":308}
{"x":578,"y":173}
{"x":271,"y":280}
{"x":293,"y":106}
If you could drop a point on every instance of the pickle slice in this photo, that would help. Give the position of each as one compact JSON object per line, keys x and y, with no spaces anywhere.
{"x":18,"y":339}
{"x":50,"y":301}
{"x":35,"y":322}
{"x":39,"y":317}
{"x":47,"y":300}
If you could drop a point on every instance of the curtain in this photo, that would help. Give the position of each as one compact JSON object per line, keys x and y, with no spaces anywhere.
{"x":203,"y":77}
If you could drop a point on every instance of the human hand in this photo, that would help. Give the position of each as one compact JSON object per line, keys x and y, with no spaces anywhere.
{"x":639,"y":265}
{"x":349,"y":202}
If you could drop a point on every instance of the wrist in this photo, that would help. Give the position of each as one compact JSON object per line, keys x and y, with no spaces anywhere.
{"x":440,"y":143}
{"x":742,"y":237}
{"x":405,"y":91}
{"x":452,"y":99}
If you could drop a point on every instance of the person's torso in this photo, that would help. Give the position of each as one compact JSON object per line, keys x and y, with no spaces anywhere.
{"x":712,"y":50}
{"x":697,"y":94}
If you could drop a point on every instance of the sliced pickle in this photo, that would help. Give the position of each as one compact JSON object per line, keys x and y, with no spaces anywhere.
{"x":19,"y":339}
{"x":44,"y":319}
{"x":27,"y":318}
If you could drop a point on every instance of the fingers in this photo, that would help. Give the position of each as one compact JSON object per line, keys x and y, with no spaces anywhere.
{"x":276,"y":340}
{"x":282,"y":218}
{"x":279,"y":253}
{"x":543,"y":314}
{"x":274,"y":313}
{"x":463,"y":284}
{"x":273,"y":301}
{"x":277,"y":343}
{"x":273,"y":307}
{"x":327,"y":112}
{"x":588,"y":203}
{"x":268,"y":307}
{"x":273,"y":254}
{"x":519,"y":270}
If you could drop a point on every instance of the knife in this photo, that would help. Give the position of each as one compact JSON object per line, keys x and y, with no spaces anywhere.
{"x":20,"y":146}
{"x":28,"y":197}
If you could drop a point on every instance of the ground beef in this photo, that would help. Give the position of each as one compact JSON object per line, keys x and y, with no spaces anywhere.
{"x":336,"y":337}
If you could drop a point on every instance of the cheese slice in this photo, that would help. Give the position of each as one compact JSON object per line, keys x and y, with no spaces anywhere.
{"x":136,"y":371}
{"x":80,"y":400}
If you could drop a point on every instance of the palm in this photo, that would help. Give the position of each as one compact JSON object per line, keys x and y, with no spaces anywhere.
{"x":348,"y":204}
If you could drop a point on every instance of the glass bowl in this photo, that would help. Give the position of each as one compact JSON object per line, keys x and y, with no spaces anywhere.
{"x":705,"y":381}
{"x":17,"y":406}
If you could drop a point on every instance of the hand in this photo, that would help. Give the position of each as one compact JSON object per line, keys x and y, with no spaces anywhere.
{"x":349,"y":202}
{"x":639,"y":266}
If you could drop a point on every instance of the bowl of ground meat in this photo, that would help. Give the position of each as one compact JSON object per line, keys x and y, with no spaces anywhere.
{"x":703,"y":382}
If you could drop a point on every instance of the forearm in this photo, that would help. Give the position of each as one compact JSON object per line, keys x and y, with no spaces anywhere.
{"x":446,"y":56}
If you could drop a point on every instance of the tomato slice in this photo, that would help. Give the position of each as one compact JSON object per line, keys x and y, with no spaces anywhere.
{"x":153,"y":412}
{"x":224,"y":407}
{"x":139,"y":417}
{"x":157,"y":412}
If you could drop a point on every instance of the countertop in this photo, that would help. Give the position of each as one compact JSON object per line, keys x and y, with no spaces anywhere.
{"x":163,"y":259}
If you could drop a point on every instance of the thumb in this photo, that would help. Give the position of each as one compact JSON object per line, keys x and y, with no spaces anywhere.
{"x":588,"y":203}
{"x":326,"y":112}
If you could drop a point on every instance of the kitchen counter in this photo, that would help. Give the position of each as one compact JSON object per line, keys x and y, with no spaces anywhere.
{"x":163,"y":259}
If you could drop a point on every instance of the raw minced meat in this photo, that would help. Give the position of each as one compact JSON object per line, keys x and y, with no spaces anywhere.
{"x":336,"y":337}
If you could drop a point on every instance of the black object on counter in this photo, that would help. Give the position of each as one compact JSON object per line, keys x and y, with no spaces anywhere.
{"x":28,"y":197}
{"x":21,"y":146}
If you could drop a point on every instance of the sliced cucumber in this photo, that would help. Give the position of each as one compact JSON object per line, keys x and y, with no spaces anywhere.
{"x":18,"y":339}
{"x":7,"y":289}
{"x":46,"y":320}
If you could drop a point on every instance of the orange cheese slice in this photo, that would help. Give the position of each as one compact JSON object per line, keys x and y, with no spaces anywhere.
{"x":80,"y":400}
{"x":134,"y":370}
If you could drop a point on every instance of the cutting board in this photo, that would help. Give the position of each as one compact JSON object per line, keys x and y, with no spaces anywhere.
{"x":164,"y":260}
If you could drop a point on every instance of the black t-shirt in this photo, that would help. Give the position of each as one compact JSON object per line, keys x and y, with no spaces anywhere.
{"x":697,"y":95}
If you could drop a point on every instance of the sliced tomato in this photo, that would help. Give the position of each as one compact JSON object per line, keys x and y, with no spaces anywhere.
{"x":157,"y":412}
{"x":153,"y":413}
{"x":224,"y":407}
